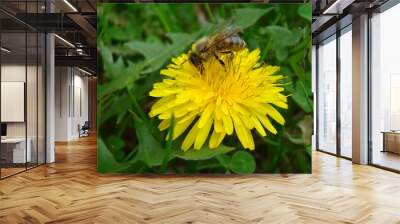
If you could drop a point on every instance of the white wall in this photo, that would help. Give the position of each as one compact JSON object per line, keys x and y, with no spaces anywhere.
{"x":62,"y":81}
{"x":71,"y":94}
{"x":80,"y":102}
{"x":13,"y":73}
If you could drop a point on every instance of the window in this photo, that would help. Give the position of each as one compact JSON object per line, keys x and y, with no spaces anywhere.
{"x":346,"y":92}
{"x":327,"y":96}
{"x":385,"y":89}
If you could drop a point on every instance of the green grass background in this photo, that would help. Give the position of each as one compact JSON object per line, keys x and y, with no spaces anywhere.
{"x":135,"y":41}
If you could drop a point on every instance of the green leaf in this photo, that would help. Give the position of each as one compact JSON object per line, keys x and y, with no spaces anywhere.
{"x":112,"y":68}
{"x":281,"y":36}
{"x":224,"y":160}
{"x":309,"y":150}
{"x":281,"y":54}
{"x":308,"y":83}
{"x":141,"y":89}
{"x":117,"y":106}
{"x":105,"y":159}
{"x":304,"y":162}
{"x":168,"y":146}
{"x":203,"y":153}
{"x":301,"y":98}
{"x":130,"y":75}
{"x":149,"y":148}
{"x":305,"y":11}
{"x":246,"y":17}
{"x":166,"y":17}
{"x":106,"y":162}
{"x":177,"y":38}
{"x":115,"y":145}
{"x":242,"y":162}
{"x":180,"y":41}
{"x":305,"y":126}
{"x":148,"y":50}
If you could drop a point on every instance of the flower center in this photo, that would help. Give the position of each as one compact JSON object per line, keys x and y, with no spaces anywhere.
{"x":227,"y":82}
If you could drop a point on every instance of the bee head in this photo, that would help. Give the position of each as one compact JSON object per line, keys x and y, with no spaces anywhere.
{"x":195,"y":59}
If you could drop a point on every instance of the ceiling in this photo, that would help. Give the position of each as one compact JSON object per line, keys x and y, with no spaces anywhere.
{"x":40,"y":5}
{"x":74,"y":22}
{"x":331,"y":15}
{"x":16,"y":42}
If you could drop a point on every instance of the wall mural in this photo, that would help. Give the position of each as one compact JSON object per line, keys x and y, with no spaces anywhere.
{"x":204,"y":88}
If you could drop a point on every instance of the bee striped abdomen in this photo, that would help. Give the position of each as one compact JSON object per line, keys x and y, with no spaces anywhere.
{"x":232,"y":43}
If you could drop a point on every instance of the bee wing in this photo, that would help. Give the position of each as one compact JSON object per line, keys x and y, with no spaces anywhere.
{"x":221,"y":36}
{"x":221,"y":25}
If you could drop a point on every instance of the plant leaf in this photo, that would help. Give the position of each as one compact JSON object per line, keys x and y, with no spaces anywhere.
{"x":242,"y":162}
{"x":129,"y":76}
{"x":305,"y":11}
{"x":281,"y":36}
{"x":246,"y":17}
{"x":305,"y":126}
{"x":203,"y":153}
{"x":168,"y":146}
{"x":105,"y":159}
{"x":149,"y":148}
{"x":301,"y":98}
{"x":148,"y":50}
{"x":180,"y":41}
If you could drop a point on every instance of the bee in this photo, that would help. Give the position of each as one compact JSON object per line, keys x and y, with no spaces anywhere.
{"x":226,"y":41}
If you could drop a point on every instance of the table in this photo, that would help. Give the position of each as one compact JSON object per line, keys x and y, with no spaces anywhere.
{"x":391,"y":141}
{"x":17,"y":150}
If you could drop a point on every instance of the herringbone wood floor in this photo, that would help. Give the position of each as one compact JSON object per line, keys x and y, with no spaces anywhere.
{"x":70,"y":191}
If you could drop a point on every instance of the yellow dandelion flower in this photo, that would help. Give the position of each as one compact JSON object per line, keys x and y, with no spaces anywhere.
{"x":238,"y":97}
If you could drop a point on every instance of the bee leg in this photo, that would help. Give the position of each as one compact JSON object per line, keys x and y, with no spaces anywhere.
{"x":201,"y":68}
{"x":230,"y":56}
{"x":219,"y":59}
{"x":227,"y":52}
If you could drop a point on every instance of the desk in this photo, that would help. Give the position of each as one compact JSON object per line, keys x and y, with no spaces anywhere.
{"x":16,"y":147}
{"x":391,"y":141}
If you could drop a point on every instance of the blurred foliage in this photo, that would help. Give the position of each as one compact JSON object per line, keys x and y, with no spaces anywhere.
{"x":136,"y":40}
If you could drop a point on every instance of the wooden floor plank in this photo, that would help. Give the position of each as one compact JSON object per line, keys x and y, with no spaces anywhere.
{"x":71,"y":191}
